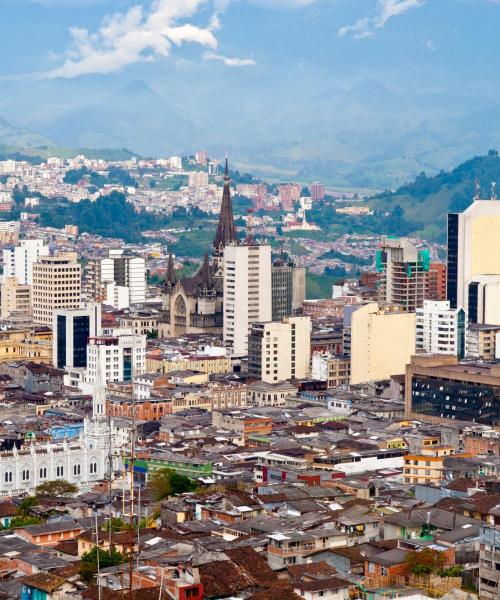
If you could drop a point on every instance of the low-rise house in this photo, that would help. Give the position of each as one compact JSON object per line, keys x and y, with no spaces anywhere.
{"x":50,"y":534}
{"x":45,"y":586}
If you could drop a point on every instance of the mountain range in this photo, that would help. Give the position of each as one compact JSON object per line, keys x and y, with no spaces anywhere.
{"x":420,"y":93}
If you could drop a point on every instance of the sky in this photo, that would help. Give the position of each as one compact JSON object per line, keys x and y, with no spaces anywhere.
{"x":336,"y":86}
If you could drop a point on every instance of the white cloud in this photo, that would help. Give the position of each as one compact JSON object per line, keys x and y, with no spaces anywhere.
{"x":137,"y":35}
{"x":386,"y":9}
{"x":229,"y":61}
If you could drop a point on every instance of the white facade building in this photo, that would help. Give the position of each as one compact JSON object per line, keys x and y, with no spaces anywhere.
{"x":83,"y":462}
{"x":440,"y":329}
{"x":119,"y":357}
{"x":247,"y":293}
{"x":18,"y":260}
{"x":278,"y":351}
{"x":126,"y":271}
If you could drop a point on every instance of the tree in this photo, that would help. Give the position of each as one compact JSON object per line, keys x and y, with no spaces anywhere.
{"x":24,"y":521}
{"x":107,"y":558}
{"x":425,"y":562}
{"x":166,"y":482}
{"x":58,"y":488}
{"x":27,"y":504}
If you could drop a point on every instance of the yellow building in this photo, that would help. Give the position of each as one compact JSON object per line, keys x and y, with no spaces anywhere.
{"x":427,"y":467}
{"x":206,"y":364}
{"x":382,"y":342}
{"x":34,"y":345}
{"x":16,"y":299}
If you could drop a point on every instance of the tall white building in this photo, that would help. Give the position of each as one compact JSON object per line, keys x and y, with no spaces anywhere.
{"x":18,"y":260}
{"x":440,"y":329}
{"x":125,"y":271}
{"x":247,"y":293}
{"x":278,"y":351}
{"x":483,"y":299}
{"x":118,"y":357}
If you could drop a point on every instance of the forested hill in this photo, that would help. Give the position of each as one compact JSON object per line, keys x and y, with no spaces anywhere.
{"x":427,"y":200}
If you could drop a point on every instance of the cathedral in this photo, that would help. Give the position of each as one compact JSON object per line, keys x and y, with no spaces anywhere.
{"x":194,"y":304}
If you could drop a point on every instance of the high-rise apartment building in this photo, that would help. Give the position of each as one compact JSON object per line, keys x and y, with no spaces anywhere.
{"x":489,"y":562}
{"x":125,"y":270}
{"x":288,"y":194}
{"x":382,"y":341}
{"x":403,"y":272}
{"x":71,"y":331}
{"x":288,"y":288}
{"x":56,"y":285}
{"x":440,"y":329}
{"x":18,"y":260}
{"x":317,"y":191}
{"x":436,"y":282}
{"x":9,"y":231}
{"x":15,"y":299}
{"x":198,"y":179}
{"x":247,"y":293}
{"x":473,"y":248}
{"x":280,"y":351}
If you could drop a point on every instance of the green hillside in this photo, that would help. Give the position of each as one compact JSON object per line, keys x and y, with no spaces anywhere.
{"x":41,"y":153}
{"x":427,"y":200}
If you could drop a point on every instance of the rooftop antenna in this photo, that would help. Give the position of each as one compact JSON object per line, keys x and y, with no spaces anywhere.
{"x":477,"y":189}
{"x":493,"y":193}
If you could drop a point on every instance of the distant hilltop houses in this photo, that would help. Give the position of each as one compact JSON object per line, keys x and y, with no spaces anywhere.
{"x":229,"y":393}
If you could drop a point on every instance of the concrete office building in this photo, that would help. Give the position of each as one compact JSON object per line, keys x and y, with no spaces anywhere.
{"x":403,"y":270}
{"x":489,"y":563}
{"x":15,"y":299}
{"x":71,"y":331}
{"x":278,"y":351}
{"x":18,"y":260}
{"x":473,"y":248}
{"x":439,"y":387}
{"x":483,"y":299}
{"x":247,"y":293}
{"x":440,"y":329}
{"x":288,"y":288}
{"x":483,"y":341}
{"x":382,"y":341}
{"x":126,"y":271}
{"x":56,"y":285}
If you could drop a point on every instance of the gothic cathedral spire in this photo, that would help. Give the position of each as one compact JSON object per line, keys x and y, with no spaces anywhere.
{"x":226,"y":230}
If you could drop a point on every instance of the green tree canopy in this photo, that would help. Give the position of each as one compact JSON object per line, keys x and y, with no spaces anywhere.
{"x":166,"y":482}
{"x":57,"y":488}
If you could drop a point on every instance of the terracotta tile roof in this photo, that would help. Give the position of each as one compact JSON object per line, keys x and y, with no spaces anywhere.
{"x":316,"y":585}
{"x":138,"y":594}
{"x":319,"y":568}
{"x":254,"y":564}
{"x":280,"y":591}
{"x":44,"y":581}
{"x":67,"y":547}
{"x":223,"y":578}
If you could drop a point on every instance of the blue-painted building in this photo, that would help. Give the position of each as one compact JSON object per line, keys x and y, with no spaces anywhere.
{"x":61,"y":432}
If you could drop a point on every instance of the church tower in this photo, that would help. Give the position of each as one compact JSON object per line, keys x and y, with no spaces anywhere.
{"x":226,"y":230}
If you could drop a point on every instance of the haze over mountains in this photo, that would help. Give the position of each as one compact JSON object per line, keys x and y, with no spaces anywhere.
{"x":418,"y":93}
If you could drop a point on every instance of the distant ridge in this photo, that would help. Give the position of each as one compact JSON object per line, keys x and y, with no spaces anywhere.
{"x":427,"y":200}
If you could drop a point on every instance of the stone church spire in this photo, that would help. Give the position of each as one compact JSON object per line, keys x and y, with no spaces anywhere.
{"x":170,"y":279}
{"x":226,"y":230}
